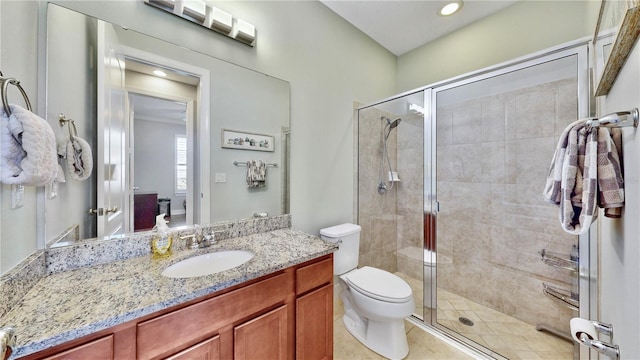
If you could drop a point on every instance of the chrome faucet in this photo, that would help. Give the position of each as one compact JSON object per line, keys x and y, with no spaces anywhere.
{"x":198,"y":240}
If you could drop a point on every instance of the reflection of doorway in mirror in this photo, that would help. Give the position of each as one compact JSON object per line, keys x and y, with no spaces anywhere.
{"x":159,"y":163}
{"x":161,"y":151}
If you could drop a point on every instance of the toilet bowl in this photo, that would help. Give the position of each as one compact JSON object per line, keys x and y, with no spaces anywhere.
{"x":375,"y":301}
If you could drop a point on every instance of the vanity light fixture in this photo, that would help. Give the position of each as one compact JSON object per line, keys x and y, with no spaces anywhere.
{"x":221,"y":20}
{"x":166,"y":3}
{"x":450,"y":8}
{"x":212,"y":18}
{"x":244,"y":32}
{"x":196,"y":9}
{"x":159,"y":73}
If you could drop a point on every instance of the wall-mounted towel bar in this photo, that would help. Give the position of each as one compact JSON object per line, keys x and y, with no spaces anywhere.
{"x":244,"y":163}
{"x":616,"y":119}
{"x":4,"y":86}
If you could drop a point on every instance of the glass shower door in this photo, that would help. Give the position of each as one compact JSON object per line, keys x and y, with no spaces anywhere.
{"x":495,"y":135}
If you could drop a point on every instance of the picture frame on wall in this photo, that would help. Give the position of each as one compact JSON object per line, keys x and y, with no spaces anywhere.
{"x":242,"y":140}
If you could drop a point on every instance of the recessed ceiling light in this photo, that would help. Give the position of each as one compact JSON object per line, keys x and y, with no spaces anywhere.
{"x":159,"y":73}
{"x":451,"y":8}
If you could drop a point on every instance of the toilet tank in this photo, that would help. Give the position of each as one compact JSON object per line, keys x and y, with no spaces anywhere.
{"x":347,"y":236}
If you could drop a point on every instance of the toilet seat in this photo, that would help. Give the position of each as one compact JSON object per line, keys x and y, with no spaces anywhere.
{"x":379,"y":284}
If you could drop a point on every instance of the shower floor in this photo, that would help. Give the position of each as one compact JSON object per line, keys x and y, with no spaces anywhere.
{"x":503,"y":334}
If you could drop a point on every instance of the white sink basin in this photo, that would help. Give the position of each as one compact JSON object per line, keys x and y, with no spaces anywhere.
{"x":207,"y":264}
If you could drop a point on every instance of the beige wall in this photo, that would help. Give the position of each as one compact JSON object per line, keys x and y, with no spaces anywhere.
{"x":523,"y":28}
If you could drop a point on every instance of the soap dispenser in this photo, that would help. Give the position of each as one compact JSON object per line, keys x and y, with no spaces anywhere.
{"x":161,"y":241}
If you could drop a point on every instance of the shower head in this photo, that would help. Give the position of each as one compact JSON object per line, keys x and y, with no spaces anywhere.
{"x":390,"y":126}
{"x":394,"y":123}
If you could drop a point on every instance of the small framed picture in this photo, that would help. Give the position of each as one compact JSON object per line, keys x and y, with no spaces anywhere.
{"x":233,"y":139}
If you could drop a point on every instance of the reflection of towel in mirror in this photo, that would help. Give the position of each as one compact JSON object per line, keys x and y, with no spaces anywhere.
{"x":27,"y":149}
{"x":79,"y":159}
{"x":256,"y":174}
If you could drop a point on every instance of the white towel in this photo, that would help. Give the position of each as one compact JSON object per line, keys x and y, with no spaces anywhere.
{"x":79,"y":158}
{"x":27,"y":149}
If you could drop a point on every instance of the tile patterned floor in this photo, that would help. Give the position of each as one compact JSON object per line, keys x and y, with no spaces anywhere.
{"x":505,"y":335}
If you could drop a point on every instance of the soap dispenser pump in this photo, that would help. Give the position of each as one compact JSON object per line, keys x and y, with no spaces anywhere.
{"x":161,"y":241}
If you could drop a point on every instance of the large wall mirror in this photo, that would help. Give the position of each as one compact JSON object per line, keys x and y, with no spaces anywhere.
{"x":156,"y":141}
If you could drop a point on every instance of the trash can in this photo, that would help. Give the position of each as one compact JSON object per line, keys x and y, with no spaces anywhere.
{"x":164,"y":207}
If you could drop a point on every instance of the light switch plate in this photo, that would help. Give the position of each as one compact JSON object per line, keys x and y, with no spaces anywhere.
{"x":221,"y":177}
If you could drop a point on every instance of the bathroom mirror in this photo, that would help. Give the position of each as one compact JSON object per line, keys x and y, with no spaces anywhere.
{"x":156,"y":142}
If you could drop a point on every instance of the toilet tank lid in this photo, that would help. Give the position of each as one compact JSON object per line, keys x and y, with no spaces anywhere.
{"x":340,"y":230}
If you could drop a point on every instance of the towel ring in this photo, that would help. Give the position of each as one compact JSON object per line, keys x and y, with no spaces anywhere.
{"x":5,"y":87}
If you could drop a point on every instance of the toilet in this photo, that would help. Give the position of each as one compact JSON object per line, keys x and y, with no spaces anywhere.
{"x":375,"y":301}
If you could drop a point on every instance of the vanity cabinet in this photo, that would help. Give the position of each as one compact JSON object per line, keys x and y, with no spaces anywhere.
{"x":314,"y":311}
{"x":286,"y":315}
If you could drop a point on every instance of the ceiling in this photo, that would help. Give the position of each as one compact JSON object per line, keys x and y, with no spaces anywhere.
{"x":402,"y":25}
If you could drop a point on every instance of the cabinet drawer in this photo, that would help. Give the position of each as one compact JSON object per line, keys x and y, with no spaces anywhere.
{"x":101,"y":349}
{"x":312,"y":276}
{"x":167,"y":333}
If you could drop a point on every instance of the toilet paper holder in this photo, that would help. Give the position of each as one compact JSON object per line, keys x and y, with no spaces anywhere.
{"x":607,"y":349}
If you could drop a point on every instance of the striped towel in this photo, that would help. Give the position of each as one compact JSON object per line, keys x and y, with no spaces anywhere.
{"x":586,"y":170}
{"x":256,"y":174}
{"x":610,"y":172}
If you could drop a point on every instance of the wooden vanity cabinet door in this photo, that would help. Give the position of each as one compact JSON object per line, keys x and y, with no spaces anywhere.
{"x":206,"y":350}
{"x":264,"y":337}
{"x":314,"y":325}
{"x":314,"y":310}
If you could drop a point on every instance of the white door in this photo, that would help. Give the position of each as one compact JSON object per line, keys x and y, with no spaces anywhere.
{"x":112,"y":141}
{"x":619,"y":242}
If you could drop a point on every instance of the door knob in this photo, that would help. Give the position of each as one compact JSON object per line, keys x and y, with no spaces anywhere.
{"x":98,"y":211}
{"x":112,"y":210}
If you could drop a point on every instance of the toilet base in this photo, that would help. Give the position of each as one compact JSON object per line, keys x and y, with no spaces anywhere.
{"x":385,"y":338}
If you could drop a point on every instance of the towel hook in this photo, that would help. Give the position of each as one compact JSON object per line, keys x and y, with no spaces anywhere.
{"x":5,"y":87}
{"x":62,"y":119}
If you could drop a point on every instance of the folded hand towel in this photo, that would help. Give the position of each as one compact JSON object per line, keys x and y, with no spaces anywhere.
{"x":79,"y":159}
{"x":28,"y":150}
{"x":256,"y":174}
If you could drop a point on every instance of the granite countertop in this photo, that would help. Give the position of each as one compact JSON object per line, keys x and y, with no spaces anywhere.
{"x":67,"y":305}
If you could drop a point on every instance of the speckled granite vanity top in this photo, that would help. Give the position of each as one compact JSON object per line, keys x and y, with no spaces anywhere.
{"x":70,"y":304}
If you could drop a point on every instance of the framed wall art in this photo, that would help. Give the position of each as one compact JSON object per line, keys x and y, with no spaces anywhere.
{"x":234,"y":139}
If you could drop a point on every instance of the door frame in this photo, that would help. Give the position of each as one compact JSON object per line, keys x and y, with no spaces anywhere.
{"x":200,"y":195}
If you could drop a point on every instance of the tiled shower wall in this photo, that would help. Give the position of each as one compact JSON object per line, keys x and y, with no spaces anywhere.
{"x":493,"y":154}
{"x":391,"y":221}
{"x":376,"y":213}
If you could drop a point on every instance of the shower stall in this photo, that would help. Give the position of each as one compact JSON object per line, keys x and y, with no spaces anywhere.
{"x":463,"y":164}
